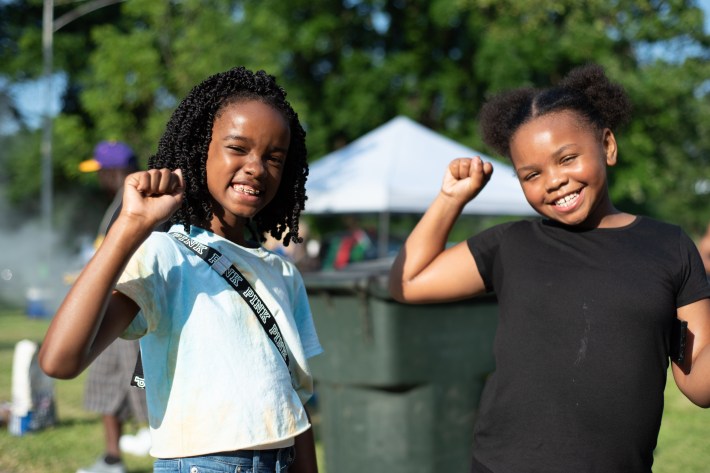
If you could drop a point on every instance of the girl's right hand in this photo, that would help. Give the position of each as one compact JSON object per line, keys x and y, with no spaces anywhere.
{"x":151,"y":197}
{"x":465,"y":177}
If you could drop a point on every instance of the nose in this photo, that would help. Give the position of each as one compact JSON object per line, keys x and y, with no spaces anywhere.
{"x":555,"y":180}
{"x":254,"y":165}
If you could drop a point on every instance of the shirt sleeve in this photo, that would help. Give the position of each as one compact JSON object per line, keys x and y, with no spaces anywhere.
{"x":484,"y":247}
{"x":304,"y":318}
{"x":145,"y":281}
{"x":694,"y":280}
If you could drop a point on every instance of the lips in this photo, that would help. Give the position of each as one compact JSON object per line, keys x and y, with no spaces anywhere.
{"x":244,"y":189}
{"x":567,"y":201}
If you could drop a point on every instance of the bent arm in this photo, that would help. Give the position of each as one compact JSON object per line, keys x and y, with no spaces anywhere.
{"x":305,"y":447}
{"x":92,"y":314}
{"x":693,"y":376}
{"x":425,"y":270}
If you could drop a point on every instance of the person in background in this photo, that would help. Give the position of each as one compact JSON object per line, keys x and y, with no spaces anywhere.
{"x":108,"y":390}
{"x":588,"y":294}
{"x":225,"y":340}
{"x":352,"y":245}
{"x":112,"y":162}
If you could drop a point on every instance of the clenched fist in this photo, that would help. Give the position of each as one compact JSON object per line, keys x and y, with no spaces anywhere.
{"x":152,"y":196}
{"x":465,"y":177}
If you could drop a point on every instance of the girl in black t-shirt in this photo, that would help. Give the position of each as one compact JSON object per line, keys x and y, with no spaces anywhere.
{"x":588,"y":295}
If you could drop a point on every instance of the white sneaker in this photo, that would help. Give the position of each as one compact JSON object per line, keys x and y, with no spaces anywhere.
{"x":102,"y":467}
{"x":138,"y":445}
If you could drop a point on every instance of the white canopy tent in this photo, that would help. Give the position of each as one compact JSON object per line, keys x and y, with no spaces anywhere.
{"x":398,"y":168}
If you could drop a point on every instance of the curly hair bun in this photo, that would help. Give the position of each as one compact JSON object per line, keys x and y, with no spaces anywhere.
{"x":586,"y":90}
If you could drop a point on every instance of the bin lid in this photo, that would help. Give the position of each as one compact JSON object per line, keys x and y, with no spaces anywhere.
{"x":371,"y":276}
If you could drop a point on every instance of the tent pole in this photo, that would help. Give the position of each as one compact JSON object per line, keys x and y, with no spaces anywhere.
{"x":383,"y":234}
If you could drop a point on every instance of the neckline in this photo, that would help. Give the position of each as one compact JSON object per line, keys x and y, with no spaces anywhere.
{"x":575,"y":229}
{"x":207,"y":236}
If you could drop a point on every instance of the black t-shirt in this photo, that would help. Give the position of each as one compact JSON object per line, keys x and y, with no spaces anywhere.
{"x":582,"y":343}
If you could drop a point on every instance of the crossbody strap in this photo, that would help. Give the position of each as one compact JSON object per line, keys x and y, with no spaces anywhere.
{"x":234,"y":278}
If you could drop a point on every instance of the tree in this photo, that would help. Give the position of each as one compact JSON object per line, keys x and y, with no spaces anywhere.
{"x":437,"y":61}
{"x":349,"y":66}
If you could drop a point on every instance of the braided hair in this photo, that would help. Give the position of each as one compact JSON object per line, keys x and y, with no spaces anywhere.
{"x":586,"y":90}
{"x":186,"y":141}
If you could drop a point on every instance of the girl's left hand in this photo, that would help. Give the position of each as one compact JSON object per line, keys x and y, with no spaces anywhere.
{"x":466,"y":177}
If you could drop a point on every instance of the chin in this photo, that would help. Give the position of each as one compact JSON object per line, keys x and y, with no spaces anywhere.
{"x":567,"y":220}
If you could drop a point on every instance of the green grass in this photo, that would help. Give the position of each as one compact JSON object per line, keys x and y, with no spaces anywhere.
{"x":77,"y":439}
{"x":685,"y":433}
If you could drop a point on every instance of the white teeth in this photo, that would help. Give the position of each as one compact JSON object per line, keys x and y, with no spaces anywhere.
{"x":566,"y":200}
{"x":246,"y":190}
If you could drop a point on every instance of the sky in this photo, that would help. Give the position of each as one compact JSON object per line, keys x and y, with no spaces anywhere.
{"x":705,"y":5}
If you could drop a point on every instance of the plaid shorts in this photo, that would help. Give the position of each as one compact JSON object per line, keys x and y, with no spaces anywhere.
{"x":108,"y":389}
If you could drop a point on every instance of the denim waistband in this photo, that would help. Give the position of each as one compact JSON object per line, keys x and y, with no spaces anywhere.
{"x":249,"y":453}
{"x":277,"y":460}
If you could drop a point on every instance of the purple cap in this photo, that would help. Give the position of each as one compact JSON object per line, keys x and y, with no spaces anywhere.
{"x":109,"y":155}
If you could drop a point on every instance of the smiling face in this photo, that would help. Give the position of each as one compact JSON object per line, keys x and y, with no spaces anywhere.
{"x":561,"y":163}
{"x":245,"y":162}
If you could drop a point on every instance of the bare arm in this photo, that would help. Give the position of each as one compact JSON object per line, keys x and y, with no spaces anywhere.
{"x":693,"y":377}
{"x":305,"y":446}
{"x":92,"y":314}
{"x":424,"y":270}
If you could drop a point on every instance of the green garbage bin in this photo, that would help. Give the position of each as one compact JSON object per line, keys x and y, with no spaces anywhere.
{"x":398,"y":385}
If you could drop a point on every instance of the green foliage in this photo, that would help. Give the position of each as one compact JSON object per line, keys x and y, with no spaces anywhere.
{"x":19,"y":174}
{"x":349,"y":66}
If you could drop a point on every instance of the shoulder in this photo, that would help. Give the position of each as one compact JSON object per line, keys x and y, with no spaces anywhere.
{"x":507,"y":230}
{"x":281,"y":265}
{"x":663,"y":234}
{"x":650,"y":225}
{"x":161,"y":242}
{"x":489,"y":243}
{"x":160,"y":248}
{"x":668,"y":246}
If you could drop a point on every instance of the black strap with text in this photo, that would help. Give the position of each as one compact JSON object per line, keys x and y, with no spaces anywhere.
{"x":234,"y":278}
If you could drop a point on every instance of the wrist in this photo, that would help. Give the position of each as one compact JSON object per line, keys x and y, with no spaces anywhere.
{"x":451,"y":201}
{"x":130,"y":228}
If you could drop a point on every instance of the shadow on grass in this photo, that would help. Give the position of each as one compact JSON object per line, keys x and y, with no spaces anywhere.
{"x":73,"y":422}
{"x":9,"y":346}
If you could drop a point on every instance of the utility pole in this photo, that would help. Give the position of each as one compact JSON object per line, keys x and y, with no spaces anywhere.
{"x":46,"y":145}
{"x":49,"y":27}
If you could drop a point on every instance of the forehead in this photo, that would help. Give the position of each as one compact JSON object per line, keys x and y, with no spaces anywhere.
{"x":250,"y":107}
{"x":252,"y":118}
{"x":564,"y":120}
{"x":550,"y":130}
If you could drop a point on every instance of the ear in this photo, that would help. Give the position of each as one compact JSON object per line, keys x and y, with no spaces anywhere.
{"x":610,"y":147}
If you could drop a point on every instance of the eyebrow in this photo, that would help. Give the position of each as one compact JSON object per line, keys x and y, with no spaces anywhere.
{"x":556,"y":153}
{"x":234,"y":137}
{"x":243,"y":138}
{"x":563,"y":148}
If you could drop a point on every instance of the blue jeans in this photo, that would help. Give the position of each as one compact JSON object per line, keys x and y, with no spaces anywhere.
{"x":245,"y":461}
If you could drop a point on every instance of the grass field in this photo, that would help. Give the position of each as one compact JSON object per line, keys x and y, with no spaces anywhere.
{"x":683,"y":445}
{"x":78,"y":438}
